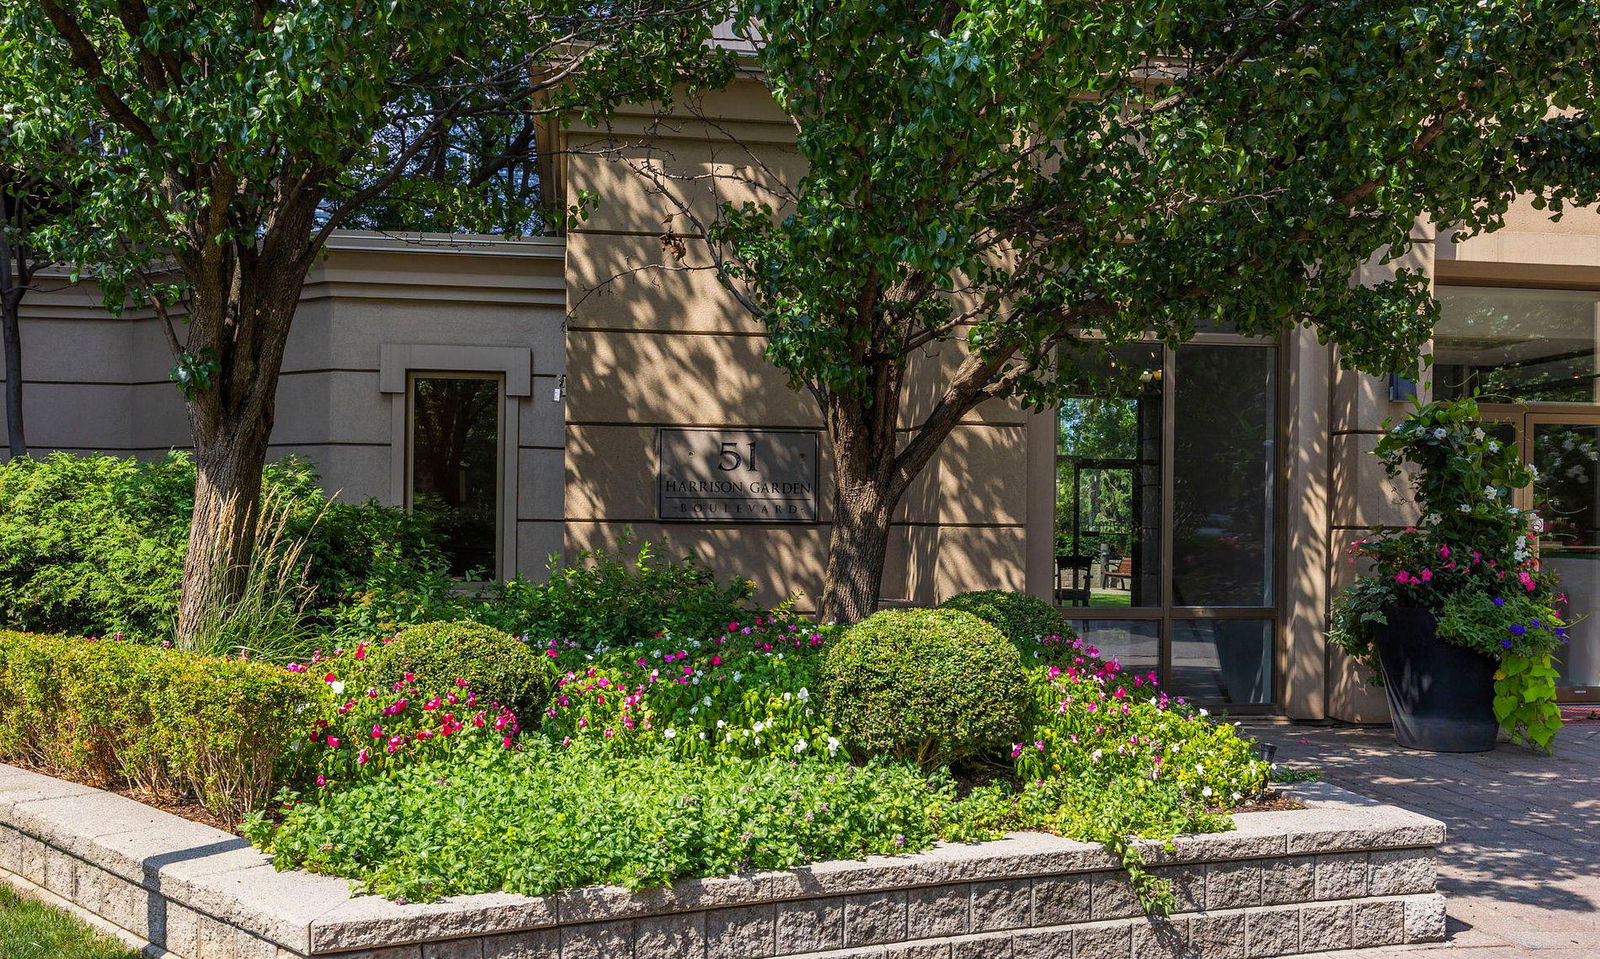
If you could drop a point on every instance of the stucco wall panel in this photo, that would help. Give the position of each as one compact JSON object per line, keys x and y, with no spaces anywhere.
{"x":336,"y":406}
{"x":703,"y":174}
{"x":1361,"y":495}
{"x":979,"y":558}
{"x":649,"y":378}
{"x":540,"y":480}
{"x":627,"y":283}
{"x":783,"y":560}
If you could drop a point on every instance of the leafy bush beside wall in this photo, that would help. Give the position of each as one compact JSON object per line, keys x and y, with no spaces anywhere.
{"x":226,"y":732}
{"x":95,"y":544}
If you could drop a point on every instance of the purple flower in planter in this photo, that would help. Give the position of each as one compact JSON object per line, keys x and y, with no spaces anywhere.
{"x":1499,"y":601}
{"x":1506,"y":643}
{"x":1517,"y":630}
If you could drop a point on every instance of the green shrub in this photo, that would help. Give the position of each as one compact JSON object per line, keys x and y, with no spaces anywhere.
{"x":225,"y":732}
{"x":549,"y":818}
{"x":1039,"y":630}
{"x":95,"y":544}
{"x":934,"y":685}
{"x":498,"y":667}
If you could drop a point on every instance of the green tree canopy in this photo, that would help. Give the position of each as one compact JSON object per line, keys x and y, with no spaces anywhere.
{"x":217,"y":145}
{"x":1042,"y":179}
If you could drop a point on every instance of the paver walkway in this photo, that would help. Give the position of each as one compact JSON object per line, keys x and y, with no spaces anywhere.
{"x":1520,"y":867}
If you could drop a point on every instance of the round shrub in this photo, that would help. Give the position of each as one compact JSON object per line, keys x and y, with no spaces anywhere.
{"x":933,"y":685}
{"x":499,"y":667}
{"x":1038,"y":630}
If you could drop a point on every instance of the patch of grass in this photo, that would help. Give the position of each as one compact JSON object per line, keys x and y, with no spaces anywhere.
{"x":32,"y":930}
{"x":1292,"y":774}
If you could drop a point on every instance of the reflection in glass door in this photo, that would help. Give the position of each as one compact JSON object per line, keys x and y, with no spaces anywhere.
{"x":1566,"y":451}
{"x":1166,"y":512}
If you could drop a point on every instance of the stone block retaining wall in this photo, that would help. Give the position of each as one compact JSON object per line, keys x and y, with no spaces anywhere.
{"x":1343,"y":873}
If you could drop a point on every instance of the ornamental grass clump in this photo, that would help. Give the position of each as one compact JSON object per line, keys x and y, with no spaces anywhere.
{"x":1471,"y":561}
{"x":1038,"y":629}
{"x":931,"y":685}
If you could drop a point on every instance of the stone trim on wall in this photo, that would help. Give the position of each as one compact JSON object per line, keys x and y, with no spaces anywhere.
{"x":1343,"y":873}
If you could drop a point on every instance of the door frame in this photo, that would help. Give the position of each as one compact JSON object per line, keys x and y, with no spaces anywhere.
{"x":1523,"y":418}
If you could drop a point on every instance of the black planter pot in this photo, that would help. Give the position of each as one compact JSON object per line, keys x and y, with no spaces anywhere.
{"x":1441,"y":696}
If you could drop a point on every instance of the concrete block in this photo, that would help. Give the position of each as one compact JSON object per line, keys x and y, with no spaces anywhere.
{"x":1342,"y":876}
{"x":1402,"y":872}
{"x":810,"y":925}
{"x":1326,"y":928}
{"x":1231,"y":885}
{"x":672,"y":936}
{"x":1379,"y":922}
{"x":471,"y":948}
{"x":1425,"y":918}
{"x":598,"y":940}
{"x":532,"y":944}
{"x":1290,"y":879}
{"x":1217,"y":936}
{"x":940,"y":911}
{"x":1061,"y":899}
{"x":1111,"y":896}
{"x":1271,"y":932}
{"x":874,"y":918}
{"x":1102,"y":940}
{"x":745,"y":932}
{"x":1007,"y":904}
{"x":1161,"y":938}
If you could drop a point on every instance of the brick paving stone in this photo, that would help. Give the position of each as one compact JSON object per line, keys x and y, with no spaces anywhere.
{"x":1520,"y":866}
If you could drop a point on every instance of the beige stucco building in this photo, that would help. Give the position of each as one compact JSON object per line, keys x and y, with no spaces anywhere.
{"x":549,"y":395}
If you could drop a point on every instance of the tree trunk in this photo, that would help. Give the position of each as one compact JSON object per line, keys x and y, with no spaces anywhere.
{"x":857,"y":549}
{"x":10,"y":327}
{"x":241,"y":314}
{"x":865,"y":491}
{"x":227,"y":497}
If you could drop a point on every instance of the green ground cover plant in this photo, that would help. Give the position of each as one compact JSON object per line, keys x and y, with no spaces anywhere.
{"x":649,"y":754}
{"x":29,"y":929}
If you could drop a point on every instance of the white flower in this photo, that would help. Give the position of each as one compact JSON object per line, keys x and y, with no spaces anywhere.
{"x":1206,"y":791}
{"x":1204,"y":712}
{"x":787,"y":696}
{"x":1491,"y":492}
{"x":1494,"y":447}
{"x":670,"y":732}
{"x":833,"y":744}
{"x":705,"y":701}
{"x":337,"y":687}
{"x":1096,"y":755}
{"x":759,"y":726}
{"x":1464,"y":508}
{"x":721,"y":723}
{"x":800,"y":746}
{"x":693,"y":710}
{"x":1477,"y":433}
{"x":804,"y":694}
{"x":1439,"y":433}
{"x":736,"y":675}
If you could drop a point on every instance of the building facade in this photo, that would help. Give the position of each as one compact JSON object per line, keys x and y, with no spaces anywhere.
{"x":544,"y":396}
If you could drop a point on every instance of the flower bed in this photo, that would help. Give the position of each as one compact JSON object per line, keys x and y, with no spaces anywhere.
{"x":1343,"y":872}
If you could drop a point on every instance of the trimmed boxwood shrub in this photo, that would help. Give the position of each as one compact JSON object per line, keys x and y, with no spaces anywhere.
{"x":499,"y":667}
{"x":1038,"y":629}
{"x":225,"y":732}
{"x":932,"y":685}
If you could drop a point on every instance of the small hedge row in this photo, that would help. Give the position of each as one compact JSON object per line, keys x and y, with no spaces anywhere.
{"x":226,"y":732}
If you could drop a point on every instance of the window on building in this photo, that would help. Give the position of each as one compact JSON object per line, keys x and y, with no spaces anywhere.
{"x":453,"y":466}
{"x":1517,"y":345}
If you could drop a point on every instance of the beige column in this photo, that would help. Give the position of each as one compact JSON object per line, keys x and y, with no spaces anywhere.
{"x":1361,"y":498}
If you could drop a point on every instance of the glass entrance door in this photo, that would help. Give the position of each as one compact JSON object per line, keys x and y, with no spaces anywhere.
{"x":1564,"y":446}
{"x":1166,"y":516}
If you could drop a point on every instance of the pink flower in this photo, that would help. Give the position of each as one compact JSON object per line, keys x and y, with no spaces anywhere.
{"x":716,"y":660}
{"x":333,"y":742}
{"x":322,"y":780}
{"x":1402,"y":577}
{"x":1016,"y":750}
{"x":363,"y":757}
{"x":1427,"y":575}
